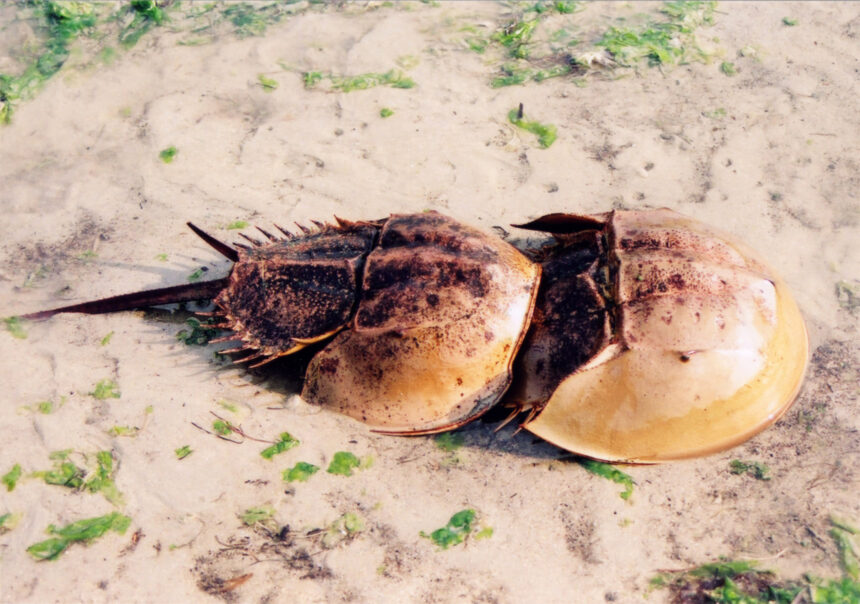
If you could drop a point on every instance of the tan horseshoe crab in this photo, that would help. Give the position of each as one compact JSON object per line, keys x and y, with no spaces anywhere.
{"x":636,"y":336}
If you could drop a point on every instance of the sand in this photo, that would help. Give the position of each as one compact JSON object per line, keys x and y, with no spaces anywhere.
{"x":769,"y":154}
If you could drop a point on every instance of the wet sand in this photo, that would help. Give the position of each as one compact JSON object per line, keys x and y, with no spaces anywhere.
{"x":769,"y":155}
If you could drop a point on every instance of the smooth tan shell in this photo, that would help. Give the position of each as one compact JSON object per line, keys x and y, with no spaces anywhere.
{"x":710,"y":348}
{"x":443,"y":311}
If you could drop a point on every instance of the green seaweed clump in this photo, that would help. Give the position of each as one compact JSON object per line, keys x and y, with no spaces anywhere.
{"x":834,"y":591}
{"x":285,"y":443}
{"x":661,"y":43}
{"x":64,"y":474}
{"x":200,"y":334}
{"x":628,"y":46}
{"x":8,"y":521}
{"x":15,"y":328}
{"x":145,"y":14}
{"x":343,"y":463}
{"x":231,"y":407}
{"x":10,"y":478}
{"x":546,"y":133}
{"x":455,"y":532}
{"x":61,"y":22}
{"x":168,"y":155}
{"x":250,"y":19}
{"x":345,"y":528}
{"x":726,"y":581}
{"x":58,"y":24}
{"x":82,"y":531}
{"x":511,"y":76}
{"x":99,"y":479}
{"x":300,"y":472}
{"x":449,"y":441}
{"x":203,"y":21}
{"x":268,"y":84}
{"x":392,"y":78}
{"x":845,"y":537}
{"x":105,"y":389}
{"x":102,"y":480}
{"x":847,"y":294}
{"x":246,"y":20}
{"x":183,"y":451}
{"x":130,"y":431}
{"x":312,"y":78}
{"x":756,"y":469}
{"x":223,"y":428}
{"x":262,"y":515}
{"x":728,"y":68}
{"x":516,"y":36}
{"x":566,"y":7}
{"x":740,"y":582}
{"x":609,"y":471}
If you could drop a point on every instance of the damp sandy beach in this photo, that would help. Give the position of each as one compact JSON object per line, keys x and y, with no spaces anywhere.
{"x":756,"y":131}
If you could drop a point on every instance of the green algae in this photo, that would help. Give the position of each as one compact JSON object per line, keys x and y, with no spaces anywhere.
{"x":82,"y":531}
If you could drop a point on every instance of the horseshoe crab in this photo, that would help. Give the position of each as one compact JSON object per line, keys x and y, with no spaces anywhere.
{"x":643,"y":336}
{"x":685,"y":342}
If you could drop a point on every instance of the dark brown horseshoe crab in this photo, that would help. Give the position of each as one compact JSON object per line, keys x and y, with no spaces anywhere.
{"x":648,"y":337}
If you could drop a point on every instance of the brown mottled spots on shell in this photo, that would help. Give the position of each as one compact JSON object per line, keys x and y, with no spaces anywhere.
{"x":676,"y":280}
{"x":702,"y":322}
{"x":633,"y":243}
{"x":329,"y":366}
{"x":427,"y":270}
{"x":647,"y":274}
{"x":665,"y":230}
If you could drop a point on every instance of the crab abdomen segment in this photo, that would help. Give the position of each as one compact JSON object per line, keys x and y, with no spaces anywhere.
{"x":569,"y":296}
{"x":283,"y":295}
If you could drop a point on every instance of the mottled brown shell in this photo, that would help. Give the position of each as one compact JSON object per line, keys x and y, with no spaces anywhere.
{"x":442,"y":312}
{"x":692,"y":345}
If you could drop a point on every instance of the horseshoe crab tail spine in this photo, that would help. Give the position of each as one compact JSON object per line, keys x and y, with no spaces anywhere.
{"x":153,"y":297}
{"x":222,"y":248}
